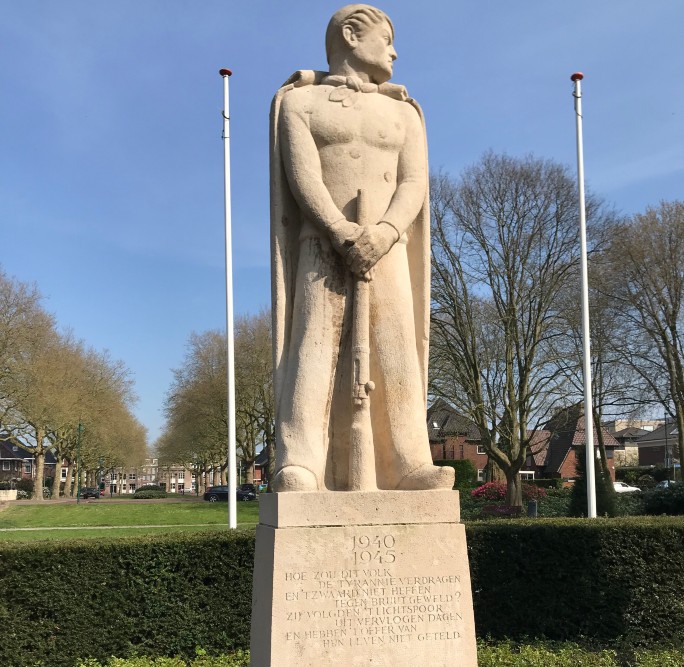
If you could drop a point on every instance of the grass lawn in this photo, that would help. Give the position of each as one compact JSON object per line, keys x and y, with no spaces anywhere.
{"x":128,"y":518}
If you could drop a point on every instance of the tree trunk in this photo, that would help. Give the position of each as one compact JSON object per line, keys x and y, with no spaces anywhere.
{"x":39,"y":457}
{"x":58,"y":476}
{"x":69,"y":484}
{"x":513,"y":489}
{"x":680,"y":439}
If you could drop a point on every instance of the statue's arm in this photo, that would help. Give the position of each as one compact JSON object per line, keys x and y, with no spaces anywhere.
{"x":407,"y":200}
{"x":302,"y":165}
{"x":409,"y":196}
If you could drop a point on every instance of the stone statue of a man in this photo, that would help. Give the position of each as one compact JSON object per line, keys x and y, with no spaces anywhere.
{"x":331,"y":135}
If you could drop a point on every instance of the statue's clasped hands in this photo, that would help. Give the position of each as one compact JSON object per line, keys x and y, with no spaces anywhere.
{"x":362,"y":247}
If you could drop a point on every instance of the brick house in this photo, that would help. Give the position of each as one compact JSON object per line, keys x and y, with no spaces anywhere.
{"x":567,"y":437}
{"x":11,"y":459}
{"x":454,"y":436}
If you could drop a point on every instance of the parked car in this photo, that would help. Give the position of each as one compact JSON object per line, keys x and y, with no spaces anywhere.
{"x":621,"y":487}
{"x":215,"y":494}
{"x":248,"y":487}
{"x":90,"y":492}
{"x":666,"y":484}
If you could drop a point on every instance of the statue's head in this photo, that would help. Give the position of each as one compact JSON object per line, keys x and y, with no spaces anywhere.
{"x":364,"y":37}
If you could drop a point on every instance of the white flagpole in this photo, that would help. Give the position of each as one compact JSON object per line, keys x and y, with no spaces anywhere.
{"x":232,"y":472}
{"x":588,"y":410}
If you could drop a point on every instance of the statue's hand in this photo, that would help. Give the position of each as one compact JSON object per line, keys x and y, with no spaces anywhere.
{"x":343,"y":234}
{"x":375,"y":242}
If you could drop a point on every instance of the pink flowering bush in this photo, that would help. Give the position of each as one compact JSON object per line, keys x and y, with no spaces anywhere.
{"x":497,"y":491}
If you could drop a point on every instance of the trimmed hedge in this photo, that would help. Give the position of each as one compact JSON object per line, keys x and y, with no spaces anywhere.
{"x":618,"y":581}
{"x":612,"y":583}
{"x":155,"y":596}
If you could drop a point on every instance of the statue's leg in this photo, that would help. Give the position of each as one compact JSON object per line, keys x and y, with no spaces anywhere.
{"x":402,"y":448}
{"x":307,"y":391}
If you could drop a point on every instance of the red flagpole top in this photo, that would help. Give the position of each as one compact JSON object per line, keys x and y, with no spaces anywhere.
{"x":225,"y":72}
{"x":577,"y":76}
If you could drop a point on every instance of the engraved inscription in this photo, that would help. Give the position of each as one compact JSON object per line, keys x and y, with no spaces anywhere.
{"x":379,"y":599}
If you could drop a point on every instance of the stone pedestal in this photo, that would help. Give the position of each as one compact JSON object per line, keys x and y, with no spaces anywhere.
{"x":362,"y":578}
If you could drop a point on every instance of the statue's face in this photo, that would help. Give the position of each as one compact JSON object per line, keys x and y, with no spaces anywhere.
{"x":374,"y":51}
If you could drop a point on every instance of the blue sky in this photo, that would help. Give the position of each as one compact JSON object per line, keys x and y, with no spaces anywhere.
{"x":111,"y":160}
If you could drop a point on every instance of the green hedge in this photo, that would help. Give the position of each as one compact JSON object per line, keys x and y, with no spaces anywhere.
{"x":613,"y":583}
{"x":466,"y":472}
{"x":157,"y":596}
{"x":612,"y":580}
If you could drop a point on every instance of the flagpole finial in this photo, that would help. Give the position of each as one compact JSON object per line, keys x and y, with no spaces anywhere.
{"x":577,"y":76}
{"x":225,"y":72}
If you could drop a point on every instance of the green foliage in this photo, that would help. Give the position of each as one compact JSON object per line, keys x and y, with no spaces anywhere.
{"x":25,"y":485}
{"x":631,"y":475}
{"x":237,"y":659}
{"x":665,"y":501}
{"x":552,"y":483}
{"x":148,"y":596}
{"x":147,"y":487}
{"x":149,"y":495}
{"x":5,"y":486}
{"x":508,"y":654}
{"x":608,"y":580}
{"x":497,"y":491}
{"x":466,"y":472}
{"x":605,"y":494}
{"x":611,"y":583}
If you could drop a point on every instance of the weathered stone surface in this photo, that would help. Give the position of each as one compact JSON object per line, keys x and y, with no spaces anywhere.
{"x":381,"y":595}
{"x":282,"y":510}
{"x":351,"y":283}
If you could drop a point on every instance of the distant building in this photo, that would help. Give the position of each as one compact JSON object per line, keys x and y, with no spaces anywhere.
{"x":660,"y":446}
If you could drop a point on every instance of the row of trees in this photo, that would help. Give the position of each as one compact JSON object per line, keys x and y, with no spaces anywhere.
{"x":196,"y":405}
{"x":506,"y":318}
{"x":58,"y":394}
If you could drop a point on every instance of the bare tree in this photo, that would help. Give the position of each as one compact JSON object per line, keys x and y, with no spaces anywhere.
{"x":647,"y":259}
{"x":196,"y":406}
{"x":505,"y":244}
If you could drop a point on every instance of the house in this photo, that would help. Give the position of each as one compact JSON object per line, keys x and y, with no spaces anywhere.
{"x":660,"y":446}
{"x":566,"y":436}
{"x":454,"y":436}
{"x":11,"y":459}
{"x":627,"y":432}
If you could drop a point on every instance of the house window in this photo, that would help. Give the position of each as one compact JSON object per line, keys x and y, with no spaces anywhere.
{"x":5,"y":465}
{"x":481,"y":449}
{"x":64,"y":472}
{"x":27,"y":467}
{"x":462,"y":451}
{"x":173,"y":487}
{"x":480,"y":475}
{"x":181,"y":475}
{"x":131,"y":476}
{"x":131,"y":487}
{"x":527,"y":474}
{"x":113,"y":477}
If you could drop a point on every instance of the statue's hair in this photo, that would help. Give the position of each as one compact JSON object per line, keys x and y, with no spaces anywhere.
{"x":359,"y":17}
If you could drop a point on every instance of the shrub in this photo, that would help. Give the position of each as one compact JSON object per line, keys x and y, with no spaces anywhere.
{"x":149,"y":495}
{"x":150,"y":596}
{"x":148,"y":487}
{"x":25,"y":485}
{"x":605,"y":580}
{"x":664,"y":501}
{"x":23,"y":495}
{"x":497,"y":491}
{"x":542,"y":655}
{"x":149,"y":492}
{"x":5,"y":486}
{"x":466,"y":473}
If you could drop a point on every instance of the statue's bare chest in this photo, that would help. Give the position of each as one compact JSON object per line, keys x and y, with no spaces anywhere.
{"x":371,"y":119}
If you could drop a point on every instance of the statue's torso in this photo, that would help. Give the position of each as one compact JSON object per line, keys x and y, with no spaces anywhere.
{"x":358,"y":145}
